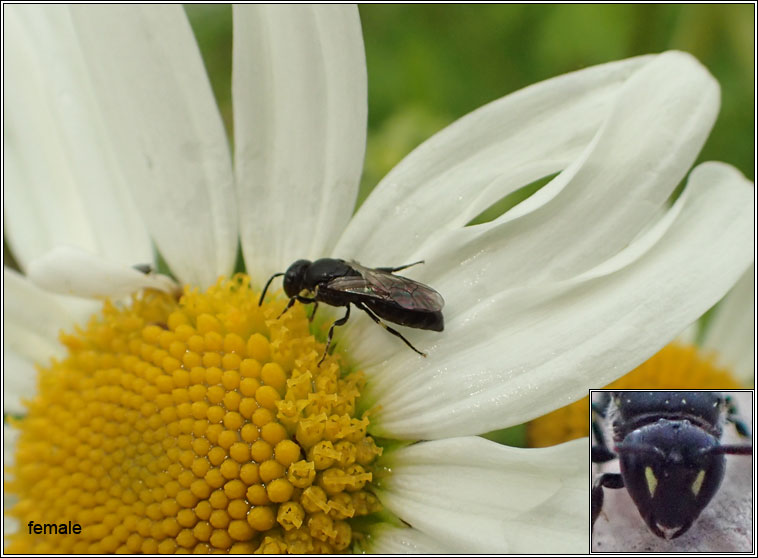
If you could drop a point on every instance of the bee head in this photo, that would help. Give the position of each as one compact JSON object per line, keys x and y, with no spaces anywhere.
{"x":294,"y":277}
{"x":671,"y":469}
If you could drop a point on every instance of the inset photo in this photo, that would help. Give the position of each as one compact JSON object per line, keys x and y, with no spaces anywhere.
{"x":672,"y":471}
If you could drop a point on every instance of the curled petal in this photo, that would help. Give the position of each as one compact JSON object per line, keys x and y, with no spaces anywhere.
{"x":621,"y":135}
{"x":526,"y":351}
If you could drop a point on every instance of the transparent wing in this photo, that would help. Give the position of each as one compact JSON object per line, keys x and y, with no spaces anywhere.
{"x":383,"y":285}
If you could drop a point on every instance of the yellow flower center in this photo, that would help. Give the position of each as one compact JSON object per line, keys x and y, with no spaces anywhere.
{"x":196,"y":425}
{"x":676,"y":366}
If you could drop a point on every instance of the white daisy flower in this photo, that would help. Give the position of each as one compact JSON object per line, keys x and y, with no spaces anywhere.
{"x":206,"y":423}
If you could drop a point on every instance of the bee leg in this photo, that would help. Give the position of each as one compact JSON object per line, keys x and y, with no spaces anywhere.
{"x":313,"y":314}
{"x":388,"y":328}
{"x":291,"y":303}
{"x":600,"y":403}
{"x":315,"y":305}
{"x":601,"y":453}
{"x":394,"y":269}
{"x":598,"y":410}
{"x":339,"y":322}
{"x":606,"y":480}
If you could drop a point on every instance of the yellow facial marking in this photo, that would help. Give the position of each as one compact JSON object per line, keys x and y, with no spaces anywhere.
{"x":698,"y":483}
{"x":652,"y":482}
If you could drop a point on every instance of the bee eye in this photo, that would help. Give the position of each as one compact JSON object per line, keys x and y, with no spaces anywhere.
{"x":652,"y":482}
{"x":698,"y":482}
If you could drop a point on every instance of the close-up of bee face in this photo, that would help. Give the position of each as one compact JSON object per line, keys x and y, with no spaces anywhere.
{"x":672,"y":450}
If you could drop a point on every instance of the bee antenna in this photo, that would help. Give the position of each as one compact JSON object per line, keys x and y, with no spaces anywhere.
{"x":730,"y":450}
{"x":260,"y":301}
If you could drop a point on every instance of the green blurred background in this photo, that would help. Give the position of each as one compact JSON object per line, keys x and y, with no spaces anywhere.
{"x":430,"y":64}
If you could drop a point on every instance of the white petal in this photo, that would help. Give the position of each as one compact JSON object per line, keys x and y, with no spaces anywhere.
{"x":10,"y":524}
{"x":475,"y":496}
{"x":62,"y":180}
{"x":528,"y":351}
{"x":300,"y":128}
{"x":10,"y":436}
{"x":19,"y":381}
{"x":155,"y":98}
{"x":623,"y":135}
{"x":387,"y":539}
{"x":32,"y":321}
{"x":10,"y":439}
{"x":70,"y":271}
{"x":689,"y":335}
{"x":731,"y":334}
{"x":33,"y":317}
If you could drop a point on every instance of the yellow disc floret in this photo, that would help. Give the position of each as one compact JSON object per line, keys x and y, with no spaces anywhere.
{"x":676,"y":366}
{"x":197,"y":425}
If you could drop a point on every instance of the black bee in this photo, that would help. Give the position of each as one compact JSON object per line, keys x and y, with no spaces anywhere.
{"x":670,"y":455}
{"x":378,"y":292}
